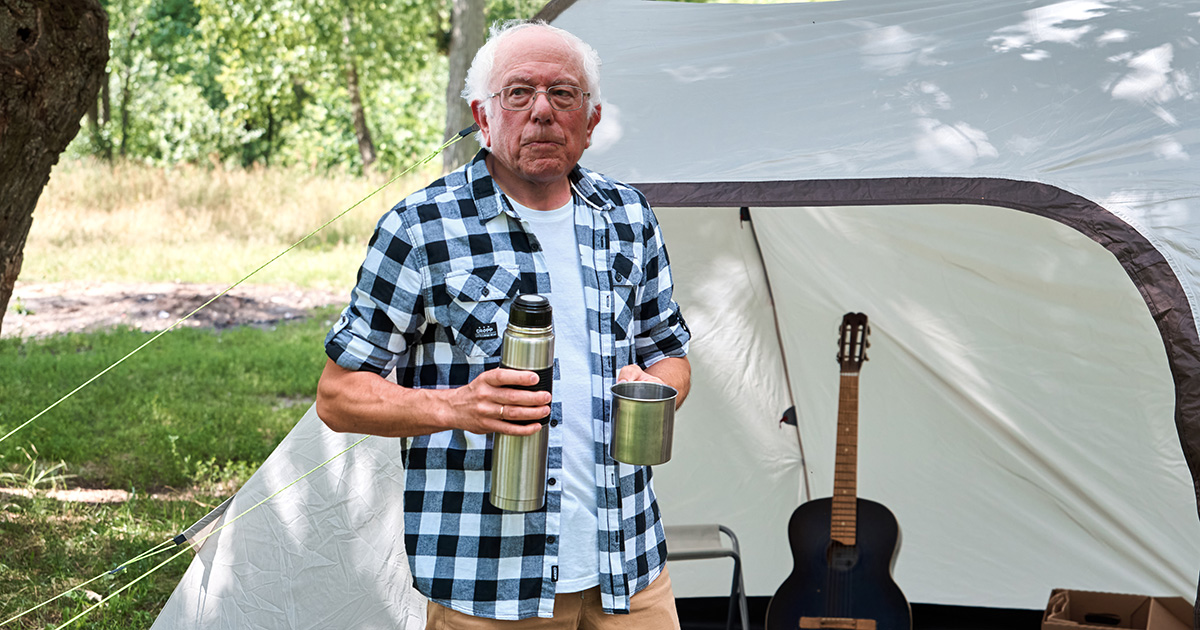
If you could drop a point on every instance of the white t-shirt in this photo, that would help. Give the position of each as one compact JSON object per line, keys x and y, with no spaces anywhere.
{"x":578,"y":556}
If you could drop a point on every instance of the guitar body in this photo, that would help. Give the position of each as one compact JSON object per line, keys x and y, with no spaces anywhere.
{"x":830,"y":580}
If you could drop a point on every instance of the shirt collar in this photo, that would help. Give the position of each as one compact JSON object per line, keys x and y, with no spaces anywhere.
{"x":489,"y":199}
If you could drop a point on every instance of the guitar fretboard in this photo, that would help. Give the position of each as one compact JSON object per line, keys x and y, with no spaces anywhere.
{"x":843,"y":527}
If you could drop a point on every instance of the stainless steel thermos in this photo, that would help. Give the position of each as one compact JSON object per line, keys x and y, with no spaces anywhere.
{"x":519,"y":462}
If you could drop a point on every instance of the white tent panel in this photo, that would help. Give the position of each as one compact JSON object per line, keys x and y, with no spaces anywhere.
{"x":1026,"y":431}
{"x":1097,"y":98}
{"x":733,"y":462}
{"x":1016,"y":406}
{"x":327,"y":552}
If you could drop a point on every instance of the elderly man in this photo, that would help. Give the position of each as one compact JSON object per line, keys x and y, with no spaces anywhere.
{"x":412,"y":355}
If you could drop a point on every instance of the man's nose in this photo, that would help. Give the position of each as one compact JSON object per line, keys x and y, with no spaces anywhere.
{"x":541,"y":106}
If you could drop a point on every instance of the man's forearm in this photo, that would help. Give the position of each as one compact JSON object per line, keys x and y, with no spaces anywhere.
{"x":676,"y":372}
{"x":364,"y":402}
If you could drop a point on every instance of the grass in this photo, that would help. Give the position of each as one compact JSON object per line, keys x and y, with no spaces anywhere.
{"x":52,"y":546}
{"x":191,"y":417}
{"x":193,"y":396}
{"x":130,"y":223}
{"x":184,"y":422}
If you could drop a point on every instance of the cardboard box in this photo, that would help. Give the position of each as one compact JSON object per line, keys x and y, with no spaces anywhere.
{"x":1091,"y":610}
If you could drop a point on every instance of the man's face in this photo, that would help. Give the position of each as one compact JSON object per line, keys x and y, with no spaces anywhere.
{"x":540,"y":145}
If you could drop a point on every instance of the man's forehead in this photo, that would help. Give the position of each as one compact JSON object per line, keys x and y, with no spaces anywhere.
{"x":518,"y":76}
{"x":538,"y":55}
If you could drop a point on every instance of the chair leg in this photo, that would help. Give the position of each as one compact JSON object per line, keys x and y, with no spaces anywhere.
{"x":737,"y":598}
{"x":733,"y":592}
{"x":742,"y":597}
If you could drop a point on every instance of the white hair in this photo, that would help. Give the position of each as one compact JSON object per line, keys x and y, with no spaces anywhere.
{"x":481,"y":73}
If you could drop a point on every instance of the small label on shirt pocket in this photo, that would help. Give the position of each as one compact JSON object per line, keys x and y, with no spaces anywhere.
{"x":475,"y":312}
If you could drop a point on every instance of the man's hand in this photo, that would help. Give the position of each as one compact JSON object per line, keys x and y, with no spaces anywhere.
{"x":673,"y":372}
{"x":634,"y":372}
{"x":486,"y":404}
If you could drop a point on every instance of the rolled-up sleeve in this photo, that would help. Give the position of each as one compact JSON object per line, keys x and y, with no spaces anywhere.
{"x":661,"y":330}
{"x":386,"y":310}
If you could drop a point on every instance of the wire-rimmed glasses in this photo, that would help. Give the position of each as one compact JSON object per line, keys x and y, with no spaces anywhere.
{"x":564,"y":98}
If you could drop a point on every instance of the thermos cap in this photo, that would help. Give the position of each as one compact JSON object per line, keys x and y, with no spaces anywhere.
{"x":530,"y":311}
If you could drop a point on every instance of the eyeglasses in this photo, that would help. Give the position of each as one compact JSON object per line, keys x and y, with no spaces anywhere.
{"x":564,"y":98}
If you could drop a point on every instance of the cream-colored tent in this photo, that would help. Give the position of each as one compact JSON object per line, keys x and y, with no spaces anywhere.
{"x":1008,"y":191}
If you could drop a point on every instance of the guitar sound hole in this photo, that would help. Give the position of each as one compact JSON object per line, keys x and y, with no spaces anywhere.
{"x":842,"y":557}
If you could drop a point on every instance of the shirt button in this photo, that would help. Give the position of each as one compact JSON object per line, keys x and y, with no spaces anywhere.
{"x":554,"y":423}
{"x":620,"y":278}
{"x":485,"y":291}
{"x":552,"y":481}
{"x":550,"y":540}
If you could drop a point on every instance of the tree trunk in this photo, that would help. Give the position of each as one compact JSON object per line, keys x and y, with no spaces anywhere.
{"x":105,"y":137}
{"x":125,"y":97}
{"x":126,"y":78}
{"x":105,"y":100}
{"x":466,"y":36}
{"x":52,"y":58}
{"x":366,"y":146}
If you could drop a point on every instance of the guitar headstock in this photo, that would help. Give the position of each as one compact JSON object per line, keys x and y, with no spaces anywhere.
{"x":852,"y":347}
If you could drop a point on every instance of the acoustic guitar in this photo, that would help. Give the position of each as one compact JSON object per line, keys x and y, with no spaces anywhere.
{"x":843,"y":547}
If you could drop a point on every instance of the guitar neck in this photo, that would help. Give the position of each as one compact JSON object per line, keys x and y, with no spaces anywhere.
{"x":844,"y":521}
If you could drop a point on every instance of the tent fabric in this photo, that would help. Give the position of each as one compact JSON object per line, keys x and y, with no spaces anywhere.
{"x":1147,"y":268}
{"x":327,"y":552}
{"x":1007,"y":189}
{"x":832,"y":121}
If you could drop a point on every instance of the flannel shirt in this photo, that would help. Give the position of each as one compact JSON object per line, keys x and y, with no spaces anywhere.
{"x":429,"y":310}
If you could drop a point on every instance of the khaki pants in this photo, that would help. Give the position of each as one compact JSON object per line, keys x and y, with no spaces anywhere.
{"x":651,"y":609}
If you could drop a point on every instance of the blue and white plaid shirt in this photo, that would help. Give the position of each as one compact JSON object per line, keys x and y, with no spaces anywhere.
{"x":429,"y":311}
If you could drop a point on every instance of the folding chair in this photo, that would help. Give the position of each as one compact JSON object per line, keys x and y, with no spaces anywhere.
{"x":702,"y":542}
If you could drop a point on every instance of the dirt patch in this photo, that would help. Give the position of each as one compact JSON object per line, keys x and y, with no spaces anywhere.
{"x":75,"y":495}
{"x":41,"y":309}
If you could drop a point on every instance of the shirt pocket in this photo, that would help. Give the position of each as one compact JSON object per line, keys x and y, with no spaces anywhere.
{"x":626,"y":276}
{"x":475,"y":313}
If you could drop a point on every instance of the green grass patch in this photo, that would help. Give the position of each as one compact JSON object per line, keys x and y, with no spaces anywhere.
{"x":189,"y":417}
{"x":193,"y":400}
{"x":52,"y":546}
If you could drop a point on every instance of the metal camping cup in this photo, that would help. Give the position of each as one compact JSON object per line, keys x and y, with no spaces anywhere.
{"x":643,"y":422}
{"x":519,"y":462}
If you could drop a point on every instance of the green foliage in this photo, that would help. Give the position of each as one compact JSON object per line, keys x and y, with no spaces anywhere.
{"x":265,"y":81}
{"x":36,"y":475}
{"x":193,"y":404}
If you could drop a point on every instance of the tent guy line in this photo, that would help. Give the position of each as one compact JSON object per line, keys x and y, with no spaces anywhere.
{"x":458,"y":136}
{"x":161,"y":547}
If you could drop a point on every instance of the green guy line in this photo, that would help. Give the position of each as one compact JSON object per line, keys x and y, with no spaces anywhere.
{"x":406,"y":171}
{"x":152,"y":552}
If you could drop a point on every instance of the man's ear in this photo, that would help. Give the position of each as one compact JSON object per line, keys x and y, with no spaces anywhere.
{"x":479,"y":113}
{"x":592,"y":122}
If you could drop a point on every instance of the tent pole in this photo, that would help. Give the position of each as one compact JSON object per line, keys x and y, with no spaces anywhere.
{"x":787,"y":379}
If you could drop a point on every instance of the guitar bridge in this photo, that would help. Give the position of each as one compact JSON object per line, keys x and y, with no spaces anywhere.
{"x":836,"y":623}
